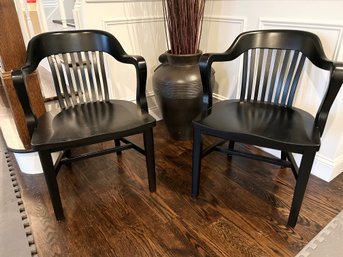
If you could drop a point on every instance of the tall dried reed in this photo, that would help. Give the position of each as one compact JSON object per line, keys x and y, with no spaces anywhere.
{"x":183,"y":21}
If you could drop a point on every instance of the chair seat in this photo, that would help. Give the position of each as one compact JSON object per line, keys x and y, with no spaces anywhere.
{"x":96,"y":121}
{"x":268,"y":125}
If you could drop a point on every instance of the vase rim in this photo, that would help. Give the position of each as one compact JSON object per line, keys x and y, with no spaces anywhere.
{"x":199,"y":52}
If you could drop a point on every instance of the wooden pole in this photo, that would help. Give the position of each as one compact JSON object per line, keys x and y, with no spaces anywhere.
{"x":12,"y":56}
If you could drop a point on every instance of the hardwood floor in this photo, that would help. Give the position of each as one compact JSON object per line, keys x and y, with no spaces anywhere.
{"x":241,"y":211}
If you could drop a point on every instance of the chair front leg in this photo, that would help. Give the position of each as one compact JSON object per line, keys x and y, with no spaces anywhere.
{"x":150,"y":158}
{"x":300,"y":186}
{"x":50,"y":178}
{"x":196,"y":161}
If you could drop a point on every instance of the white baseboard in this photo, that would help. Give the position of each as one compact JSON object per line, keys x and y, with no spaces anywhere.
{"x":324,"y":168}
{"x":29,"y":163}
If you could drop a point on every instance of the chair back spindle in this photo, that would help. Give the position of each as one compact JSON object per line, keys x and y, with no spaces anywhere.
{"x":79,"y":77}
{"x":271,"y":75}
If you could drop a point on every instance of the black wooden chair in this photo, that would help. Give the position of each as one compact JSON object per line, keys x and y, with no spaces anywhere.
{"x":263,"y":115}
{"x":87,"y":114}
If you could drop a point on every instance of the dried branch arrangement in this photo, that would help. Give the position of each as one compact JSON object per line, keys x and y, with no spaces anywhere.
{"x":183,"y":24}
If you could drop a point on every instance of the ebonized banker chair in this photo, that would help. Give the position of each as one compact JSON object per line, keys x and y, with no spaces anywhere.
{"x":87,"y":115}
{"x":264,"y":114}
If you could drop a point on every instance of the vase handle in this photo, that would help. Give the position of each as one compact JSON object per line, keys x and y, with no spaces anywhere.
{"x":163,"y":60}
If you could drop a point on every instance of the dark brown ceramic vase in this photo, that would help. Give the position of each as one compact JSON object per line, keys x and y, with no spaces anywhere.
{"x":178,"y":89}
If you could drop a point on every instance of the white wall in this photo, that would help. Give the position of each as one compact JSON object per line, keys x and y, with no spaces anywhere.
{"x":139,"y":27}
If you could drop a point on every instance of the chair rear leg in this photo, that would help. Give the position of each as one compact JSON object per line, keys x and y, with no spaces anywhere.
{"x":300,"y":187}
{"x":117,"y":143}
{"x":68,"y":155}
{"x":150,"y":158}
{"x":231,"y":147}
{"x":196,"y":161}
{"x":50,"y":178}
{"x":283,"y":157}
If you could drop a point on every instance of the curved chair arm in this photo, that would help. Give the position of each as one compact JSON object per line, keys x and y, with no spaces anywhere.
{"x":335,"y":84}
{"x":205,"y":64}
{"x":19,"y":84}
{"x":141,"y":76}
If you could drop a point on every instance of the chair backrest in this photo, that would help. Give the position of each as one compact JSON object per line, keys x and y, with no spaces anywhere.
{"x":77,"y":63}
{"x":79,"y":77}
{"x":272,"y":65}
{"x":278,"y":91}
{"x":273,"y":61}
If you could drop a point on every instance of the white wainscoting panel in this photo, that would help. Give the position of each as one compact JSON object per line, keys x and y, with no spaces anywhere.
{"x":218,"y":34}
{"x":330,"y":34}
{"x":140,"y":36}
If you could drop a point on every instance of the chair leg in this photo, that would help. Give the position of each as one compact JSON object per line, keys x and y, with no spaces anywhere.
{"x":117,"y":143}
{"x":150,"y":158}
{"x":196,"y":162}
{"x":300,"y":186}
{"x":68,"y":155}
{"x":50,"y":178}
{"x":231,"y":147}
{"x":283,"y":155}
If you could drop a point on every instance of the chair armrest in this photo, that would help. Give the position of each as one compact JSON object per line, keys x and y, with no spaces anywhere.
{"x":335,"y":83}
{"x":205,"y":64}
{"x":19,"y":84}
{"x":141,"y":76}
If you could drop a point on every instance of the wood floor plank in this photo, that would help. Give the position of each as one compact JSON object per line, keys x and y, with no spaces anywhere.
{"x":242,"y":208}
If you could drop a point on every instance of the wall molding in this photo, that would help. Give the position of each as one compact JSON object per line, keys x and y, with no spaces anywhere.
{"x":227,"y":19}
{"x":224,"y":19}
{"x":77,"y":14}
{"x":235,"y":20}
{"x":307,"y":24}
{"x":301,"y":23}
{"x":322,"y":162}
{"x":132,"y":98}
{"x":219,"y":97}
{"x":49,"y":3}
{"x":112,"y":22}
{"x":152,"y":105}
{"x":119,"y":1}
